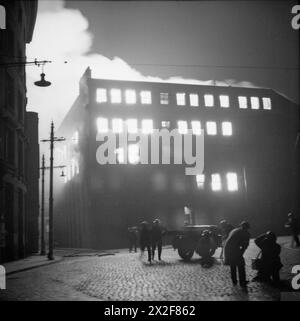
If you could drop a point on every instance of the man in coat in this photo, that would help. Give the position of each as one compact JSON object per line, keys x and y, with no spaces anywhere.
{"x":156,"y":237}
{"x":234,"y":248}
{"x":145,"y":239}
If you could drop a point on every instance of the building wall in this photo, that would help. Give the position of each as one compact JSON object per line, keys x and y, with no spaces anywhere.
{"x":260,"y":150}
{"x":20,"y":18}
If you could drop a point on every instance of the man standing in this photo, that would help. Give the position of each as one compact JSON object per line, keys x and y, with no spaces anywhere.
{"x":156,"y":235}
{"x":235,"y":246}
{"x":293,"y":225}
{"x":145,"y":239}
{"x":225,"y":228}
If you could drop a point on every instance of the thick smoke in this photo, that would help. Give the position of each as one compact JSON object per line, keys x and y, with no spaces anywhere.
{"x":61,"y":34}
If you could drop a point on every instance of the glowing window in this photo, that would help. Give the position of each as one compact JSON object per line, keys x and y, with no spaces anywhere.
{"x":146,"y":97}
{"x":76,"y":137}
{"x":120,"y":155}
{"x":164,"y":98}
{"x":147,"y":126}
{"x":130,"y":96}
{"x":101,"y":95}
{"x":224,"y":101}
{"x":117,"y":125}
{"x":182,"y":127}
{"x":133,"y":153}
{"x":243,"y":102}
{"x":194,"y":100}
{"x":232,"y":182}
{"x":211,"y":128}
{"x":254,"y":102}
{"x":180,"y":98}
{"x":267,"y":103}
{"x":216,"y":184}
{"x":165,"y":124}
{"x":200,"y":180}
{"x":102,"y":125}
{"x":226,"y":128}
{"x":196,"y":127}
{"x":131,"y":126}
{"x":115,"y":95}
{"x":209,"y":100}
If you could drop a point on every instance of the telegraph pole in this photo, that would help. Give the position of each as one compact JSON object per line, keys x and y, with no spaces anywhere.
{"x":43,"y":250}
{"x":52,"y":140}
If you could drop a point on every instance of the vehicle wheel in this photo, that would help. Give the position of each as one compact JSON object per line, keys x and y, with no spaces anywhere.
{"x":185,"y":254}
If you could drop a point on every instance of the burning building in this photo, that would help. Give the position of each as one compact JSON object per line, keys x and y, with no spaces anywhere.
{"x":250,"y":160}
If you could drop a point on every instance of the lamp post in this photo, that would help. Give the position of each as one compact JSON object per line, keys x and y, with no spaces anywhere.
{"x":51,"y":140}
{"x":43,"y":168}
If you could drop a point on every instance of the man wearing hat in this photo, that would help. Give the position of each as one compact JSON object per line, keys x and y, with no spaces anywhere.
{"x":234,"y":248}
{"x":156,"y":236}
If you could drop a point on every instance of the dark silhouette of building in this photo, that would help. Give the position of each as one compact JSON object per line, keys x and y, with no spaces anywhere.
{"x":20,"y":20}
{"x":250,"y":170}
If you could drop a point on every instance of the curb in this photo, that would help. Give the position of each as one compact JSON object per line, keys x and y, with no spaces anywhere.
{"x":35,"y":266}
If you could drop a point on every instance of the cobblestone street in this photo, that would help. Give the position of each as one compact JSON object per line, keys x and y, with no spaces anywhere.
{"x":126,"y":276}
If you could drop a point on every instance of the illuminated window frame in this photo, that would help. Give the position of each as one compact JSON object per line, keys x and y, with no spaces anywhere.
{"x":211,"y":128}
{"x":254,"y":103}
{"x":101,"y":95}
{"x":147,"y":126}
{"x":194,"y":100}
{"x":243,"y":102}
{"x":232,"y":182}
{"x":117,"y":125}
{"x":200,"y":180}
{"x":182,"y":126}
{"x":130,"y":96}
{"x":164,"y":98}
{"x":224,"y":101}
{"x":196,"y":127}
{"x":115,"y":96}
{"x":216,"y":182}
{"x":132,"y":125}
{"x":102,"y":125}
{"x":267,"y":103}
{"x":209,"y":100}
{"x":227,"y":128}
{"x":146,"y":98}
{"x":180,"y":99}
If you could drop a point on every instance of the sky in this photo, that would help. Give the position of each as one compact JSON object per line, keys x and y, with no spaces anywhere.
{"x":242,"y":43}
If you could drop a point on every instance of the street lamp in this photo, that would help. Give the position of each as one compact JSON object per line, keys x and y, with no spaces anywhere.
{"x":51,"y":140}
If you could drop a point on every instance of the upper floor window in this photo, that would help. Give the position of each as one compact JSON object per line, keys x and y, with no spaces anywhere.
{"x":224,"y":101}
{"x":164,"y":98}
{"x":132,"y":126}
{"x":211,"y":128}
{"x":101,"y":95}
{"x":200,"y":179}
{"x":2,"y":17}
{"x":209,"y":100}
{"x":254,"y":102}
{"x":232,"y":182}
{"x":117,"y":125}
{"x":102,"y":125}
{"x":133,"y":153}
{"x":196,"y":127}
{"x":194,"y":100}
{"x":267,"y":103}
{"x":146,"y":97}
{"x":226,"y":128}
{"x":115,"y":95}
{"x":243,"y":102}
{"x":180,"y":98}
{"x":130,"y":96}
{"x":216,"y":183}
{"x":147,"y":126}
{"x":182,"y":127}
{"x":165,"y":124}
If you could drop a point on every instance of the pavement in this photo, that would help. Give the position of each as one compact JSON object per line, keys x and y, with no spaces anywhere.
{"x":88,"y":275}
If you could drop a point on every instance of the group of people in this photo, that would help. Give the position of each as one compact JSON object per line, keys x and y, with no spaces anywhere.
{"x":150,"y":238}
{"x":236,"y":241}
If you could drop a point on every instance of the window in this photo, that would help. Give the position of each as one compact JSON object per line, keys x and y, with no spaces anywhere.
{"x":226,"y":128}
{"x":267,"y":103}
{"x":164,"y":98}
{"x":196,"y":127}
{"x":180,"y":98}
{"x":102,"y":125}
{"x":194,"y":100}
{"x":232,"y":182}
{"x":2,"y":17}
{"x":224,"y":101}
{"x":101,"y":95}
{"x":131,"y":126}
{"x":165,"y":124}
{"x":146,"y":97}
{"x":133,"y":153}
{"x":120,"y":155}
{"x":216,"y":184}
{"x":243,"y":102}
{"x":147,"y":126}
{"x":117,"y":125}
{"x":115,"y":95}
{"x":76,"y":137}
{"x":200,"y":179}
{"x":209,"y":100}
{"x":182,"y":127}
{"x":130,"y":96}
{"x":211,"y":128}
{"x":254,"y":102}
